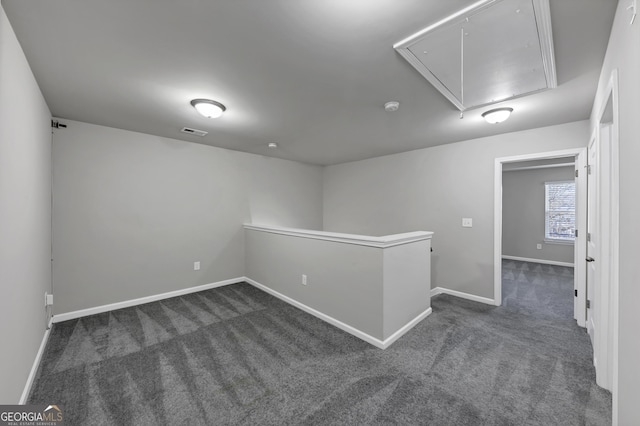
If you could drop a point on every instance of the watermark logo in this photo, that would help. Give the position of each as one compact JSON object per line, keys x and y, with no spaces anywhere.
{"x":31,"y":415}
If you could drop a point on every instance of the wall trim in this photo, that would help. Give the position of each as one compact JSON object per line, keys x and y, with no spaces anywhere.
{"x":404,"y":329}
{"x":36,"y":364}
{"x":142,"y":300}
{"x":543,"y":166}
{"x":361,"y":240}
{"x":543,"y":261}
{"x":382,"y":344}
{"x":441,"y":290}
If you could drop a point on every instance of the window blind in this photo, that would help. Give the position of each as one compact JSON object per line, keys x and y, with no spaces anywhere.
{"x":560,"y":211}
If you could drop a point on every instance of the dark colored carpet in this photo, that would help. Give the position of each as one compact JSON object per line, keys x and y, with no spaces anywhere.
{"x":236,"y":355}
{"x":543,"y":291}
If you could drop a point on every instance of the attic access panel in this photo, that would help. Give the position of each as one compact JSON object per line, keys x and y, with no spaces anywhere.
{"x":492,"y":51}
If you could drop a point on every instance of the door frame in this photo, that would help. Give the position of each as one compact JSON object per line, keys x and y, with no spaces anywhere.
{"x":594,"y":219}
{"x":579,"y":279}
{"x":606,"y":347}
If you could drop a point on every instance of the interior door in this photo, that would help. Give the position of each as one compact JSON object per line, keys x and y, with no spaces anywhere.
{"x":580,"y":245}
{"x":592,"y":234}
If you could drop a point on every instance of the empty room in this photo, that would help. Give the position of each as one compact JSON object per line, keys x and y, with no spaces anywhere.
{"x":319,"y":212}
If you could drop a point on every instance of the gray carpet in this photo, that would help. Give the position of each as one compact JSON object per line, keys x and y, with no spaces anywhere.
{"x":544,"y":291}
{"x":236,"y":355}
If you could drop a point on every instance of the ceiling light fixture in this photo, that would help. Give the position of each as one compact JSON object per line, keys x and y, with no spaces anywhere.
{"x":391,"y":106}
{"x":498,"y":115}
{"x":208,"y":108}
{"x":272,"y":145}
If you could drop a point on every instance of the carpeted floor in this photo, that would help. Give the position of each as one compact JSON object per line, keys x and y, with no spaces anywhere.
{"x":236,"y":355}
{"x":544,"y":291}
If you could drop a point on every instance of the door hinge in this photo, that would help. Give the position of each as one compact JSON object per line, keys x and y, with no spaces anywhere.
{"x":588,"y":236}
{"x":588,"y":304}
{"x":576,"y":233}
{"x":58,"y":125}
{"x":576,"y":173}
{"x":589,"y":169}
{"x":575,"y":292}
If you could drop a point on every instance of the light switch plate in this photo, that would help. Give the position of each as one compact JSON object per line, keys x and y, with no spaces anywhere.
{"x":467,"y":222}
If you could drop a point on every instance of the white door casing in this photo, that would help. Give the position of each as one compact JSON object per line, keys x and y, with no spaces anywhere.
{"x":579,"y":262}
{"x":592,"y":236}
{"x":603,"y":210}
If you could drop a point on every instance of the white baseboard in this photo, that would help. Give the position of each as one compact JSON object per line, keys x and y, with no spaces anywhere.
{"x":133,"y":302}
{"x":441,"y":290}
{"x":408,"y":326}
{"x":36,"y":364}
{"x":543,"y":261}
{"x":382,"y":344}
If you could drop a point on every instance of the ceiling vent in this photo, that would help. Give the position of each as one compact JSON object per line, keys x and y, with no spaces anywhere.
{"x":492,"y":51}
{"x":195,"y":132}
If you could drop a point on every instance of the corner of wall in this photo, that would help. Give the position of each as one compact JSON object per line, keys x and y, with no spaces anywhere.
{"x":25,"y":246}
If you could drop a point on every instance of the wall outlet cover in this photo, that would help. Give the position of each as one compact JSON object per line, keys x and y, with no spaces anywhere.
{"x":467,"y":222}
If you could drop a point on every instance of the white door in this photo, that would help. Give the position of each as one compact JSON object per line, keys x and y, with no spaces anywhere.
{"x":580,"y":244}
{"x":603,"y":349}
{"x":592,"y":234}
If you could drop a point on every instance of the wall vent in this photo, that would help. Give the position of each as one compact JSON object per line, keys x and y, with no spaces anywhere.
{"x":195,"y":132}
{"x":492,"y":51}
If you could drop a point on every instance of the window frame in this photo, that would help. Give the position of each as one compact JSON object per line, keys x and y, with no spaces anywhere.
{"x":547,"y":239}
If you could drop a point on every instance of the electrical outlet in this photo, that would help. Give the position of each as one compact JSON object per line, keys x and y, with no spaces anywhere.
{"x":539,"y":246}
{"x":196,"y":266}
{"x":304,"y":279}
{"x":467,"y":222}
{"x":48,"y":299}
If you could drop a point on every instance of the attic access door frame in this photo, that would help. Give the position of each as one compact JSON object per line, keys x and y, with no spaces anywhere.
{"x":468,"y":57}
{"x":579,"y":276}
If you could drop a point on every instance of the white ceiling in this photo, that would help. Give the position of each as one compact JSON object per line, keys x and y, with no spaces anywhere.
{"x":311,"y":75}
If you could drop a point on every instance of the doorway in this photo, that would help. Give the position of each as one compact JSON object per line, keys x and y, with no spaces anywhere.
{"x":538,"y":235}
{"x":575,"y":157}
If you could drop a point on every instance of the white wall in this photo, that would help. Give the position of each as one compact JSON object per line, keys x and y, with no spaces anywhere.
{"x":432,"y":189}
{"x":25,"y":215}
{"x":344,"y":280}
{"x":523,"y":214}
{"x":375,"y":291}
{"x":132,"y":212}
{"x":623,"y":54}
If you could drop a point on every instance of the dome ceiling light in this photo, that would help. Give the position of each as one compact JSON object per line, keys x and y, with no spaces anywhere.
{"x":498,"y":115}
{"x":208,"y":108}
{"x":391,"y":106}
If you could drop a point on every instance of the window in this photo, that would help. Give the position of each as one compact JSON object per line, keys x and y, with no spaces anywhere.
{"x":560,"y":211}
